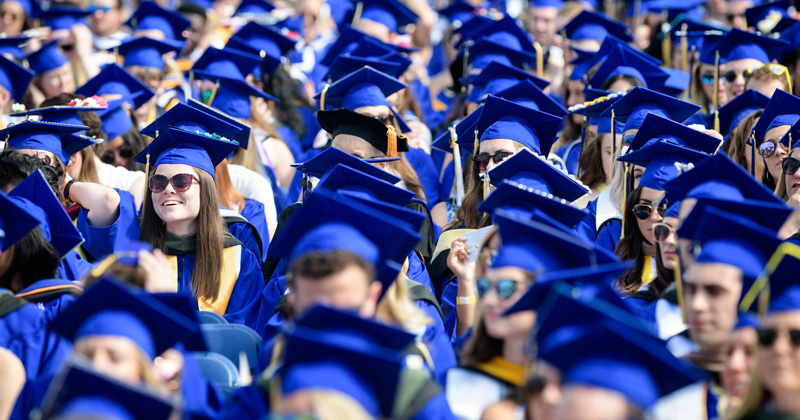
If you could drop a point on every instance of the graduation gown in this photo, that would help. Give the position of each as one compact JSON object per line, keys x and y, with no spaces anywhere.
{"x":102,"y":241}
{"x":52,"y":296}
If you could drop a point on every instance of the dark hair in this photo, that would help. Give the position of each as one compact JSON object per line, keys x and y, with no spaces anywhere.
{"x":591,"y":161}
{"x":664,"y":277}
{"x":630,"y":246}
{"x":32,"y":259}
{"x":282,"y":86}
{"x":208,"y":266}
{"x":467,"y":216}
{"x":630,"y":79}
{"x":317,"y":265}
{"x":735,"y":146}
{"x":137,"y":143}
{"x":187,"y":8}
{"x":16,"y":166}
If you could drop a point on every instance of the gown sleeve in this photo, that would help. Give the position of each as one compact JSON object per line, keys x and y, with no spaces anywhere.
{"x":102,"y":241}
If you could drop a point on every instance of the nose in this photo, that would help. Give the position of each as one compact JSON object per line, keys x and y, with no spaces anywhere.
{"x":698,"y":302}
{"x":737,"y":361}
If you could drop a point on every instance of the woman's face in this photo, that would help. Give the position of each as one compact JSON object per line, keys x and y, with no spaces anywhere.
{"x":706,"y":71}
{"x":792,"y":182}
{"x":41,"y":154}
{"x":649,"y":196}
{"x":773,"y":163}
{"x":621,"y":85}
{"x":75,"y":165}
{"x":116,"y":356}
{"x":738,"y":369}
{"x":493,"y":305}
{"x":737,"y":67}
{"x":118,"y":153}
{"x":637,"y":173}
{"x":576,"y":96}
{"x":58,"y":81}
{"x":606,"y":150}
{"x":12,"y":18}
{"x":669,"y":245}
{"x":779,"y":363}
{"x":492,"y":147}
{"x":179,"y":210}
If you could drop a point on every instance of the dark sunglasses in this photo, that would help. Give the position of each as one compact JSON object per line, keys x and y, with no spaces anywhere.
{"x":108,"y":157}
{"x":67,"y":47}
{"x":730,"y":75}
{"x":768,"y":148}
{"x":643,"y":211}
{"x":790,"y":165}
{"x":707,"y":78}
{"x":768,"y":336}
{"x":482,"y":160}
{"x":662,"y":231}
{"x":505,"y":287}
{"x":181,"y":182}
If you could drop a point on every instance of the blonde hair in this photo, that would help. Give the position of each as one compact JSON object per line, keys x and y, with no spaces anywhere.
{"x":754,"y":398}
{"x":616,"y":188}
{"x":397,"y":307}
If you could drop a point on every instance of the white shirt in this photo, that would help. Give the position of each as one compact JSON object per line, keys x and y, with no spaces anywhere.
{"x":117,"y":177}
{"x":255,"y":187}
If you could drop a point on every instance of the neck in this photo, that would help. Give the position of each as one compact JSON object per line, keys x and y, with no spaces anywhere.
{"x":787,"y":402}
{"x":648,"y":249}
{"x":188,"y":228}
{"x":514,"y":349}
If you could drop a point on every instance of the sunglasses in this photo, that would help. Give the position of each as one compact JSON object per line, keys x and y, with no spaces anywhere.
{"x":768,"y":336}
{"x":108,"y":157}
{"x":707,"y":78}
{"x":769,"y":147}
{"x":662,"y":231}
{"x":776,"y":69}
{"x":505,"y":287}
{"x":731,"y":75}
{"x":643,"y":211}
{"x":482,"y":160}
{"x":181,"y":182}
{"x":790,"y":165}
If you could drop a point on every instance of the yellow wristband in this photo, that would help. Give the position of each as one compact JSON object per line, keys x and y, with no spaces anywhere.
{"x":465,"y":300}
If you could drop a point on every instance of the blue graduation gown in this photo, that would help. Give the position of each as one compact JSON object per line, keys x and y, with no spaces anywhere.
{"x":253,"y":211}
{"x":102,"y":241}
{"x":438,"y":343}
{"x":570,"y":154}
{"x":249,"y":233}
{"x":62,"y":294}
{"x":609,"y":235}
{"x":423,"y":165}
{"x":72,"y":266}
{"x":448,"y":305}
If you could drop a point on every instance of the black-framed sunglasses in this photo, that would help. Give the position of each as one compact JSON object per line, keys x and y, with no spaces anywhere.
{"x":707,"y":78}
{"x":662,"y":231}
{"x":790,"y":165}
{"x":109,"y":156}
{"x":643,"y":211}
{"x":482,"y":160}
{"x":181,"y":182}
{"x":768,"y":336}
{"x":731,"y":75}
{"x":505,"y":287}
{"x":769,"y":147}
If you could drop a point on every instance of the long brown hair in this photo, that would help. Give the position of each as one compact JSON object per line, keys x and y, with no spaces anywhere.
{"x":664,"y":276}
{"x":630,"y":246}
{"x":409,"y":176}
{"x":229,"y":196}
{"x":208,"y":265}
{"x":735,"y":146}
{"x":591,"y":161}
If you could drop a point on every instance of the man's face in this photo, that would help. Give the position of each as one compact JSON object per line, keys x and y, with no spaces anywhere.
{"x":107,"y":19}
{"x":542,"y":24}
{"x":357,"y":147}
{"x":347,"y":289}
{"x":712,"y":294}
{"x":194,"y":33}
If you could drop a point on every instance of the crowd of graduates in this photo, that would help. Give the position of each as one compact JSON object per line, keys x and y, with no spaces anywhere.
{"x":399,"y":209}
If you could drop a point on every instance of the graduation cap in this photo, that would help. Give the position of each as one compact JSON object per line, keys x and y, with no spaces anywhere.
{"x":176,"y":146}
{"x":330,"y":157}
{"x":390,"y":13}
{"x":709,"y":49}
{"x":195,"y":120}
{"x":497,"y":77}
{"x":622,"y":62}
{"x":115,"y":118}
{"x":581,"y":63}
{"x":354,"y":183}
{"x":226,"y":63}
{"x":151,"y":16}
{"x":782,"y":109}
{"x":345,"y":65}
{"x":365,"y":87}
{"x":502,"y":119}
{"x":48,"y":57}
{"x":458,"y":12}
{"x":114,"y":80}
{"x":538,"y":174}
{"x":349,"y":39}
{"x":777,"y":283}
{"x":596,"y":107}
{"x":527,"y":94}
{"x":607,"y":350}
{"x":524,"y":201}
{"x":695,"y":32}
{"x":15,"y":222}
{"x":373,"y":131}
{"x":371,"y":47}
{"x":253,"y":7}
{"x":58,"y":114}
{"x":764,"y":213}
{"x":58,"y":139}
{"x":347,"y":354}
{"x":111,"y":307}
{"x":64,"y":17}
{"x":770,"y":16}
{"x":663,"y":161}
{"x":505,"y":32}
{"x":675,"y":9}
{"x":243,"y":137}
{"x":145,"y":52}
{"x":737,"y":109}
{"x":660,"y":128}
{"x":557,"y":4}
{"x":12,"y":45}
{"x":266,"y":42}
{"x":501,"y":49}
{"x":538,"y":248}
{"x":37,"y":199}
{"x":79,"y":391}
{"x":232,"y":96}
{"x":739,"y":44}
{"x":31,"y":8}
{"x":595,"y":26}
{"x":718,"y":177}
{"x":185,"y":304}
{"x":639,"y":102}
{"x":464,"y":132}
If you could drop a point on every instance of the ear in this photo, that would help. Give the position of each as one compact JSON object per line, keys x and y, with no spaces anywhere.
{"x":370,"y":306}
{"x":5,"y":97}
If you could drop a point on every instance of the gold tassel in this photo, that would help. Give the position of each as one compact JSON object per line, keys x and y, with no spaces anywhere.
{"x":101,"y":267}
{"x":391,"y":136}
{"x":322,"y":95}
{"x":716,"y":121}
{"x":357,"y":14}
{"x":685,"y":48}
{"x":486,"y":185}
{"x":715,"y":100}
{"x":790,"y":140}
{"x":624,"y":201}
{"x":213,"y":93}
{"x":477,"y":143}
{"x":666,"y":48}
{"x":679,"y":285}
{"x":613,"y":141}
{"x":539,"y":60}
{"x":146,"y":174}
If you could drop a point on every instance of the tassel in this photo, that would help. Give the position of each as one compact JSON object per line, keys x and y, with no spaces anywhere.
{"x":624,"y":201}
{"x":716,"y":121}
{"x":477,"y":143}
{"x":539,"y":60}
{"x":666,"y":48}
{"x":357,"y":14}
{"x":685,"y":48}
{"x":715,"y":100}
{"x":486,"y":185}
{"x":391,"y":136}
{"x":679,"y":285}
{"x":213,"y":93}
{"x":322,"y":95}
{"x":613,"y":141}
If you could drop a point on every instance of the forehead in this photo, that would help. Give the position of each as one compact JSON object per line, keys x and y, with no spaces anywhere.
{"x":716,"y":274}
{"x":174,"y":168}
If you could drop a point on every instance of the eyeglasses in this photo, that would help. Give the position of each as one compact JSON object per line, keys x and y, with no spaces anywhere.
{"x":505,"y":287}
{"x":776,"y":69}
{"x":790,"y":165}
{"x":110,"y":156}
{"x":707,"y":78}
{"x":643,"y":211}
{"x":769,"y":147}
{"x":768,"y":336}
{"x":482,"y":160}
{"x":731,"y":75}
{"x":181,"y":182}
{"x":662,"y":231}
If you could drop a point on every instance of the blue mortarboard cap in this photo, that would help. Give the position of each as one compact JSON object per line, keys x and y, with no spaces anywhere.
{"x":739,"y":44}
{"x":664,"y":161}
{"x":538,"y":174}
{"x":352,"y":182}
{"x":253,"y":7}
{"x":458,"y":12}
{"x":345,"y":65}
{"x":709,"y":49}
{"x":639,"y":102}
{"x":115,"y":118}
{"x":233,"y":96}
{"x":497,"y":77}
{"x":59,"y":114}
{"x":243,"y":137}
{"x":349,"y":39}
{"x":473,"y":25}
{"x":64,"y":17}
{"x":792,"y":36}
{"x":58,"y":139}
{"x":145,"y":52}
{"x":768,"y":17}
{"x":372,"y":47}
{"x":323,"y":162}
{"x":127,"y":252}
{"x":500,"y":47}
{"x":184,"y":147}
{"x":268,"y":63}
{"x":110,"y":307}
{"x":676,"y":9}
{"x":606,"y":350}
{"x":505,"y":31}
{"x":502,"y":119}
{"x":48,"y":57}
{"x":390,"y":13}
{"x":150,"y":16}
{"x":782,"y":109}
{"x":370,"y":129}
{"x":737,"y":109}
{"x":695,"y":32}
{"x":595,"y":26}
{"x":227,"y":63}
{"x":655,"y":127}
{"x":596,"y":109}
{"x":12,"y":45}
{"x":622,"y":62}
{"x":79,"y":391}
{"x":36,"y":197}
{"x":195,"y":120}
{"x":538,"y":248}
{"x":764,"y":213}
{"x":365,"y":87}
{"x":265,"y":38}
{"x":779,"y":280}
{"x":31,"y":8}
{"x":581,"y":64}
{"x":673,"y":210}
{"x":604,"y":126}
{"x":747,"y":320}
{"x":347,"y":354}
{"x":184,"y":303}
{"x":718,"y":177}
{"x":15,"y":222}
{"x":521,"y":200}
{"x":528,"y":94}
{"x":464,"y":132}
{"x":557,"y":4}
{"x":114,"y":80}
{"x":611,"y":43}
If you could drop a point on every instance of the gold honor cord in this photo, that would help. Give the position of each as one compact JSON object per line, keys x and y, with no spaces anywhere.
{"x":391,"y":145}
{"x":666,"y":46}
